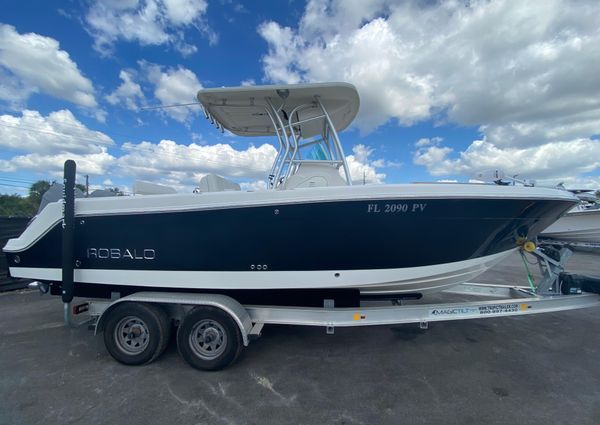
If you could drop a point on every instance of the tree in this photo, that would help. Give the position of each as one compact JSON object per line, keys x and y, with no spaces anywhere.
{"x":116,"y":190}
{"x":37,"y":190}
{"x":16,"y":206}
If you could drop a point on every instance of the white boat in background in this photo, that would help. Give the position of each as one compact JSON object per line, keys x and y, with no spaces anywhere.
{"x":580,"y":225}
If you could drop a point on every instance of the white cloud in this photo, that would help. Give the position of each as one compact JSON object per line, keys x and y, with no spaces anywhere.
{"x":148,"y":22}
{"x":371,"y":57}
{"x":58,"y":132}
{"x":151,"y":161}
{"x":525,"y":72}
{"x":428,"y":142}
{"x":13,"y":90}
{"x":254,"y":186}
{"x":185,"y":49}
{"x":361,"y":167}
{"x":129,"y":93}
{"x":34,"y":63}
{"x":93,"y":163}
{"x":554,"y":160}
{"x":170,"y":86}
{"x":570,"y":182}
{"x":174,"y":86}
{"x":184,"y":12}
{"x":48,"y":141}
{"x":284,"y":49}
{"x":182,"y":166}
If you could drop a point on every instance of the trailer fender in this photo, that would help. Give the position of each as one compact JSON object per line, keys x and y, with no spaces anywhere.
{"x":223,"y":302}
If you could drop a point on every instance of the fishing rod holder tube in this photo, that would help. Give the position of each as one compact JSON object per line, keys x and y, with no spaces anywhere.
{"x":68,"y":238}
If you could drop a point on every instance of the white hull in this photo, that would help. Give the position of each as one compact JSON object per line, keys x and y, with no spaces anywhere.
{"x":577,"y":226}
{"x":415,"y":279}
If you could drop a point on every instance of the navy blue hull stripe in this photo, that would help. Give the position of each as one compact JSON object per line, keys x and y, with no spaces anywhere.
{"x":348,"y":235}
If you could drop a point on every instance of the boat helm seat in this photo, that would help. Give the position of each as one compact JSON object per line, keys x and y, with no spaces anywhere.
{"x":314,"y":175}
{"x":214,"y":183}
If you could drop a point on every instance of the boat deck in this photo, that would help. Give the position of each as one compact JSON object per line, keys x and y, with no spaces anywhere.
{"x":526,"y":370}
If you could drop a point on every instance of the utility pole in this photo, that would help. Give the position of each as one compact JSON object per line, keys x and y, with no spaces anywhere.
{"x":87,"y":185}
{"x":364,"y":177}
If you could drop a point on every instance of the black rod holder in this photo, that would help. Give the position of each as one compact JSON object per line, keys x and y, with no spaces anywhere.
{"x":68,"y":231}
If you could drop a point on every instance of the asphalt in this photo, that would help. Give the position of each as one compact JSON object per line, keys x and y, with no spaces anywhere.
{"x":542,"y":369}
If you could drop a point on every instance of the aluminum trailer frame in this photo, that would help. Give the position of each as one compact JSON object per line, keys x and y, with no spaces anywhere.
{"x":425,"y":313}
{"x":508,"y":301}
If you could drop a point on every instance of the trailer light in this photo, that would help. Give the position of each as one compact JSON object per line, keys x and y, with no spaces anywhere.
{"x":80,"y":308}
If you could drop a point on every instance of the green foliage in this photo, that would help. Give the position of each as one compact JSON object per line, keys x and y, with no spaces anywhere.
{"x":37,"y":190}
{"x":17,"y":206}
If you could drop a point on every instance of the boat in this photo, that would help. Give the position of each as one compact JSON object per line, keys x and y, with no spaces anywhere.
{"x":580,"y":225}
{"x":312,"y":232}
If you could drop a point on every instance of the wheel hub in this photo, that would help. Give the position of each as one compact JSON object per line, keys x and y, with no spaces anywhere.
{"x":208,"y":339}
{"x":131,"y":335}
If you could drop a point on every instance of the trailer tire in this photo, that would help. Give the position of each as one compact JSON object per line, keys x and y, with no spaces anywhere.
{"x":209,"y":338}
{"x":136,"y":333}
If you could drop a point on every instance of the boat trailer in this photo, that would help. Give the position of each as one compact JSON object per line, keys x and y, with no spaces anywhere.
{"x":212,"y":329}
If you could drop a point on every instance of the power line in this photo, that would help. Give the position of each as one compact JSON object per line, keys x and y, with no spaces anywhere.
{"x":16,"y":180}
{"x":13,"y":185}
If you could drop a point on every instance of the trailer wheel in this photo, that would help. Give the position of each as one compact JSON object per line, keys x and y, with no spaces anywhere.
{"x":136,"y":333}
{"x":209,"y":339}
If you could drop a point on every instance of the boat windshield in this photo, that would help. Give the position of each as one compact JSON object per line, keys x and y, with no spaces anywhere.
{"x":316,"y":153}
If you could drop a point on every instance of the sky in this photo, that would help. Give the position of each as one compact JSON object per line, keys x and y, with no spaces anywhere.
{"x":448,"y":89}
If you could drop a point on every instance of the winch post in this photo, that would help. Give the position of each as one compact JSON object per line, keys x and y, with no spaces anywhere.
{"x":551,"y":268}
{"x":68,"y":238}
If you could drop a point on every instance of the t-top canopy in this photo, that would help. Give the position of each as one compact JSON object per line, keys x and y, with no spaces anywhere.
{"x":243,"y":110}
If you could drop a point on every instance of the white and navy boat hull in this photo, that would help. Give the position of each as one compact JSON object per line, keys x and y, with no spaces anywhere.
{"x":375,"y":239}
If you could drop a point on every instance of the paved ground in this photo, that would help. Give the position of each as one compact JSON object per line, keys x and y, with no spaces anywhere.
{"x":527,"y":370}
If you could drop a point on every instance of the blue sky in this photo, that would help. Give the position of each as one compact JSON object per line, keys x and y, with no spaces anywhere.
{"x":447,"y":90}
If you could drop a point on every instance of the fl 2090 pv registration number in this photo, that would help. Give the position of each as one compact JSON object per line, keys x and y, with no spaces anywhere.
{"x":393,"y":208}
